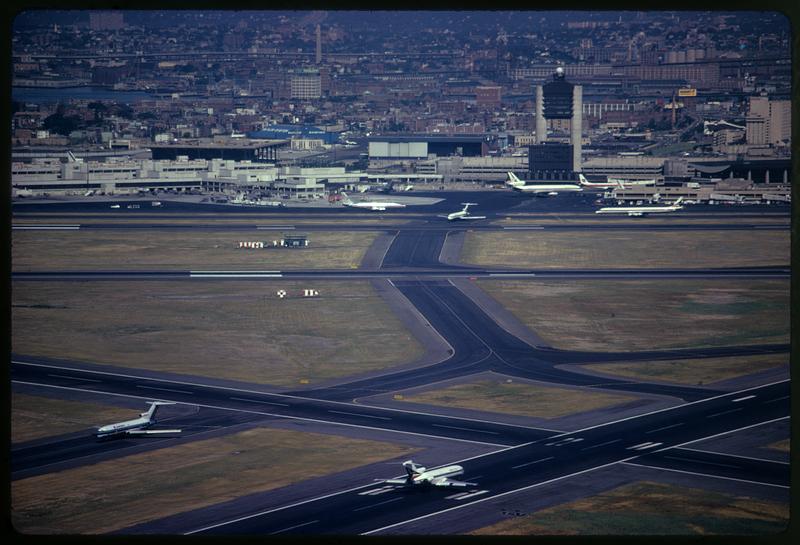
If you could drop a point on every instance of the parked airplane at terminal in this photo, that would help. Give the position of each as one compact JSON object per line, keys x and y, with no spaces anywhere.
{"x":631,"y":182}
{"x":370,"y":205}
{"x":137,"y":426}
{"x":640,"y":210}
{"x":543,"y":189}
{"x":464,"y":214}
{"x":435,"y":477}
{"x":616,"y":184}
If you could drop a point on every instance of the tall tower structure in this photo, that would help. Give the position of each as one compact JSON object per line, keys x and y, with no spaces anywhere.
{"x":558,"y":103}
{"x":319,"y":44}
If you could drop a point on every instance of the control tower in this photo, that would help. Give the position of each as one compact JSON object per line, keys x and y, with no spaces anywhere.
{"x":558,"y":104}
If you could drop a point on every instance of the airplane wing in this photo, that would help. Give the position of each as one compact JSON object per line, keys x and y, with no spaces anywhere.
{"x":444,"y":481}
{"x":150,"y":432}
{"x":396,"y":481}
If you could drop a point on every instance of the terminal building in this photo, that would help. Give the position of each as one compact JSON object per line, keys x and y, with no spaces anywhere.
{"x":423,"y":146}
{"x":234,"y":150}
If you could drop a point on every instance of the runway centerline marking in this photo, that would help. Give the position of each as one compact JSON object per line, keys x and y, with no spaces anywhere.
{"x":74,"y":378}
{"x":465,"y":429}
{"x":666,"y":427}
{"x":361,"y":415}
{"x":376,"y":504}
{"x":737,"y":400}
{"x":165,"y":389}
{"x":293,"y":527}
{"x":534,"y":462}
{"x":724,"y":412}
{"x":259,"y":401}
{"x":602,"y":444}
{"x":776,"y":399}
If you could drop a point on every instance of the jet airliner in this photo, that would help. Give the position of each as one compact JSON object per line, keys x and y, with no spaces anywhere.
{"x":370,"y":205}
{"x":464,"y":213}
{"x":640,"y":210}
{"x":543,"y":189}
{"x":418,"y":475}
{"x":137,"y":426}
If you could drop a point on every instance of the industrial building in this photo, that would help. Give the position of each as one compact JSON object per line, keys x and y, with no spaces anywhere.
{"x":290,"y":132}
{"x":422,"y":146}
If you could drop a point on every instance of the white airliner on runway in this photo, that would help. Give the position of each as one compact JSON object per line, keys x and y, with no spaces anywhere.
{"x":436,"y":477}
{"x":464,"y":214}
{"x":370,"y":205}
{"x":640,"y":210}
{"x":137,"y":426}
{"x":544,"y":189}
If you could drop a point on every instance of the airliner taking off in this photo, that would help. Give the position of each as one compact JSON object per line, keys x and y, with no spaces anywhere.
{"x":640,"y":210}
{"x":418,"y":475}
{"x":370,"y":205}
{"x":137,"y":426}
{"x":464,"y":214}
{"x":545,"y":190}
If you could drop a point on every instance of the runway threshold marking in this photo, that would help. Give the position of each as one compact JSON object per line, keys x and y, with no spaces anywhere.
{"x":293,"y":527}
{"x":259,"y":401}
{"x":533,"y":462}
{"x":361,"y":415}
{"x":704,"y":475}
{"x":465,"y":495}
{"x":644,"y":446}
{"x":377,"y":491}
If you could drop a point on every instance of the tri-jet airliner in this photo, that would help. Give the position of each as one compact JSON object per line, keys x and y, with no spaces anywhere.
{"x":137,"y":426}
{"x":640,"y":210}
{"x":370,"y":205}
{"x":543,"y":189}
{"x":464,"y":213}
{"x":418,"y":475}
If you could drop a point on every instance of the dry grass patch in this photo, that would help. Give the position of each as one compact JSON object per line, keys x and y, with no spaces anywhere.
{"x":236,"y":330}
{"x":629,"y":315}
{"x":519,"y":398}
{"x":181,"y":250}
{"x":34,"y":417}
{"x":118,"y":493}
{"x":626,"y":249}
{"x":648,"y":508}
{"x":696,"y":371}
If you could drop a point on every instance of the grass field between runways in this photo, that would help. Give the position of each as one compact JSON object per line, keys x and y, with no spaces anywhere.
{"x":34,"y":417}
{"x":630,"y":315}
{"x":143,"y":249}
{"x":518,"y":398}
{"x":693,"y":371}
{"x":612,"y":249}
{"x":235,"y":330}
{"x":118,"y":493}
{"x":649,"y":508}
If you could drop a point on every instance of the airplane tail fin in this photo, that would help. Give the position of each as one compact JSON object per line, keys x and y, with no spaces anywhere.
{"x":582,"y":179}
{"x":346,"y":199}
{"x":412,"y":468}
{"x":513,"y":180}
{"x":154,"y":405}
{"x":679,"y":201}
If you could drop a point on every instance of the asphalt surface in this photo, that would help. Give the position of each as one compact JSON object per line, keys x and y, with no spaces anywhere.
{"x":528,"y":456}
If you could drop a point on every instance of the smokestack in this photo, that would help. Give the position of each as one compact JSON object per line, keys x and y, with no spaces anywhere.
{"x":319,"y":45}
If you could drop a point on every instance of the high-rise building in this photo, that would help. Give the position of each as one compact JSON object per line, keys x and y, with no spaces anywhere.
{"x":318,"y":56}
{"x":559,"y":104}
{"x":306,"y":85}
{"x":768,"y":121}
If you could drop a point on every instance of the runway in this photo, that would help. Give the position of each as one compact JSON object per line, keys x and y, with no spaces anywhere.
{"x":379,"y":508}
{"x":526,"y":456}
